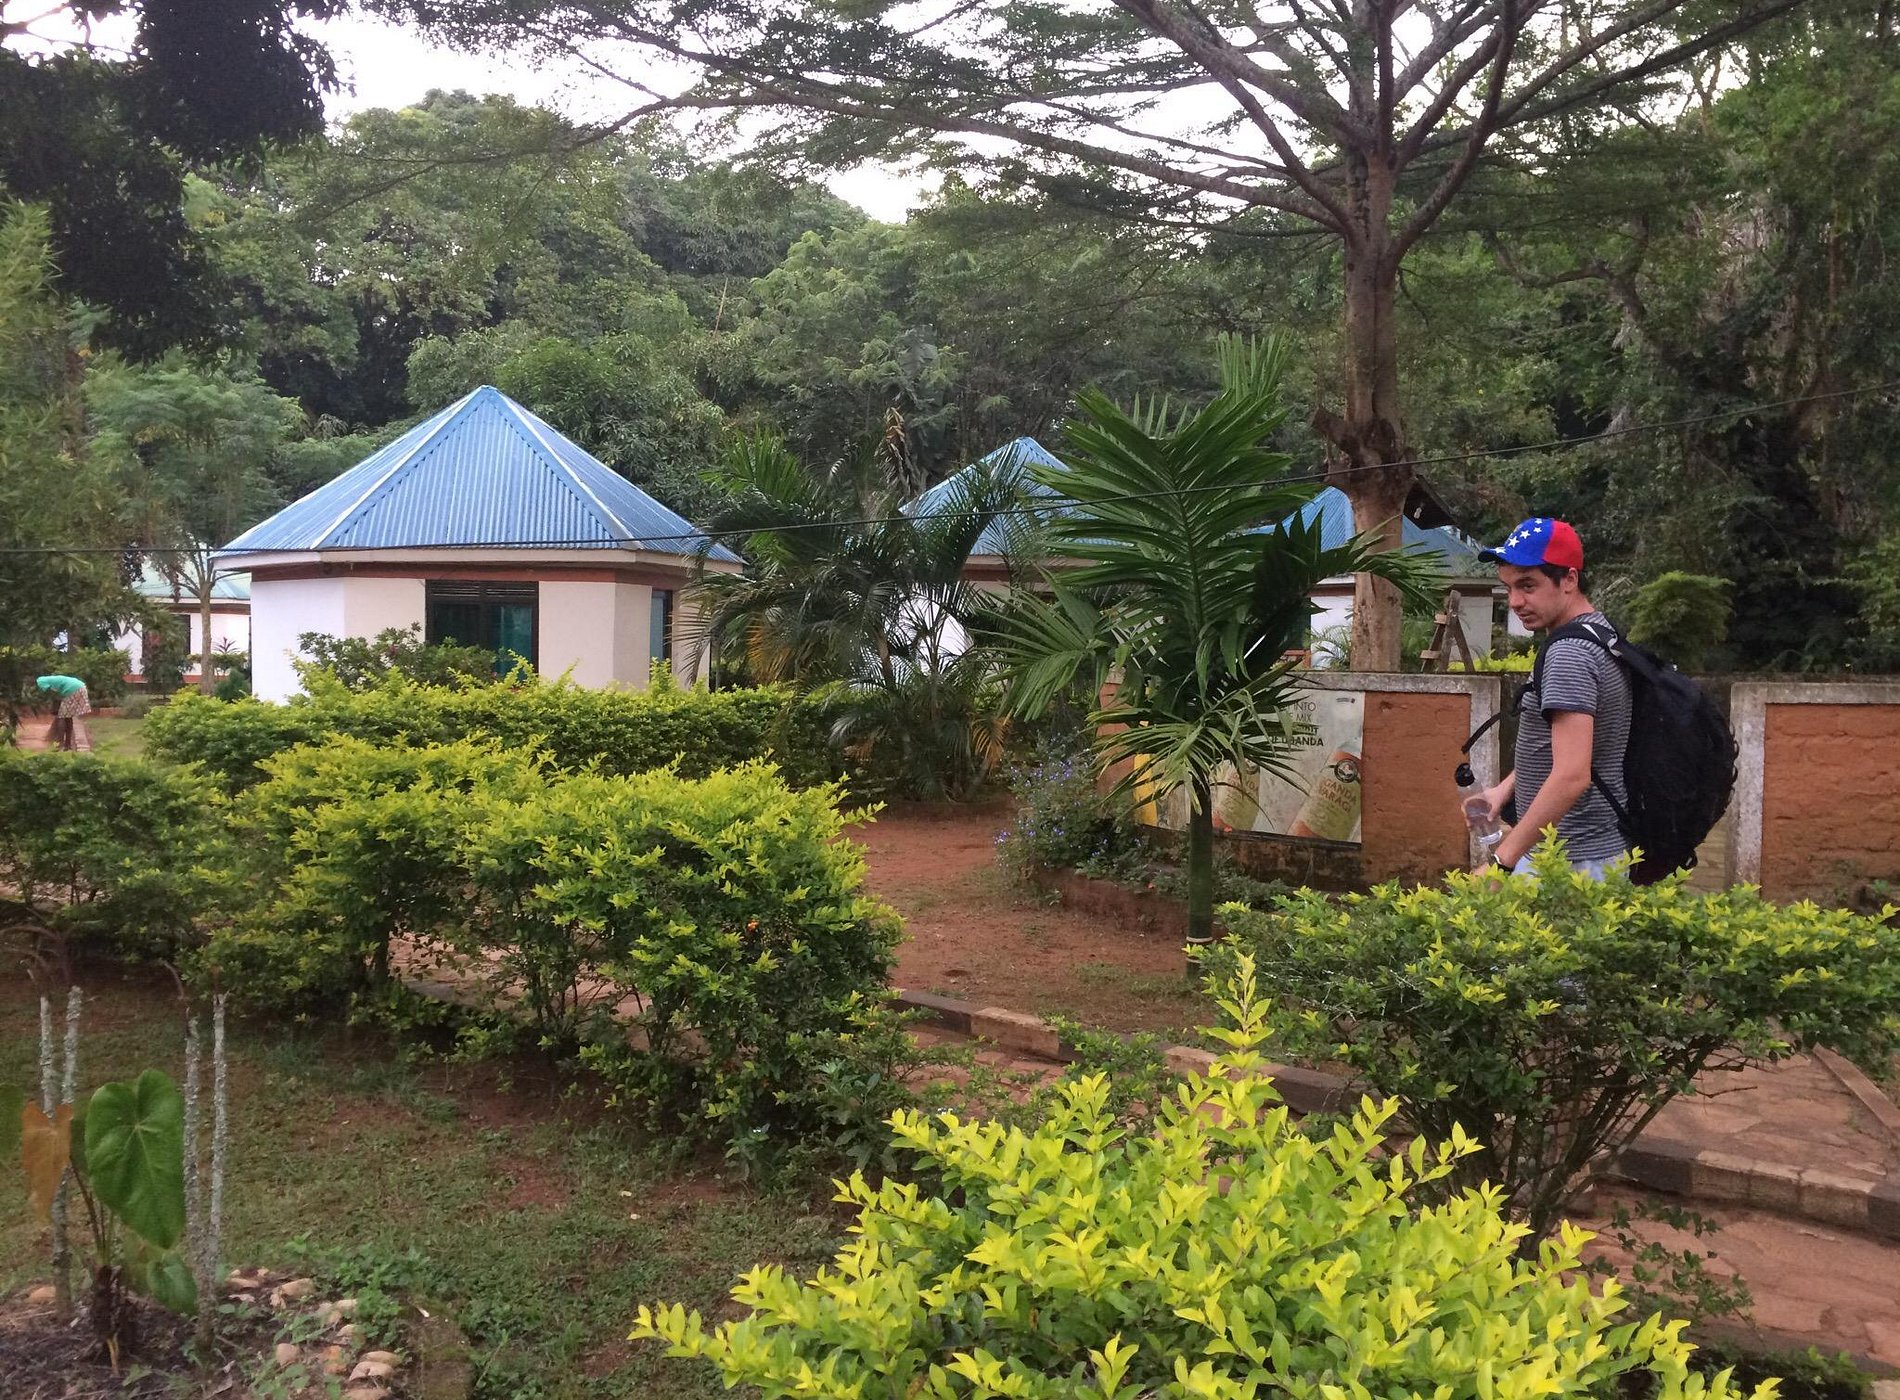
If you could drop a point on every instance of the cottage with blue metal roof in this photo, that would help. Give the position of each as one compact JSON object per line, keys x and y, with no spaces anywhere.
{"x":990,"y":566}
{"x":489,"y":528}
{"x":172,"y":593}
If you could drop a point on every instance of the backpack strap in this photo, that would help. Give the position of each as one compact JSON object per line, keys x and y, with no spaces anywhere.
{"x":1510,"y":707}
{"x":1608,"y":638}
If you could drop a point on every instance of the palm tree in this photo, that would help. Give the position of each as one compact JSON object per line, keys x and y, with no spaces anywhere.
{"x":1194,"y":580}
{"x":849,"y":598}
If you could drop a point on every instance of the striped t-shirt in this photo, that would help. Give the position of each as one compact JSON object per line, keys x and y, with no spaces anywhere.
{"x":1582,"y":678}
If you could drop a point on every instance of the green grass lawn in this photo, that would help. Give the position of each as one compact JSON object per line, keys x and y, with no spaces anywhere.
{"x":117,"y":735}
{"x":536,"y":1220}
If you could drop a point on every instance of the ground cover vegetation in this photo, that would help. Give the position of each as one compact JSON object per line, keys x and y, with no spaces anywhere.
{"x":727,"y":922}
{"x":496,"y":1194}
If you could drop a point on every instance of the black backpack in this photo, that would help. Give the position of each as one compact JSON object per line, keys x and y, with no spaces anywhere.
{"x":1679,"y":768}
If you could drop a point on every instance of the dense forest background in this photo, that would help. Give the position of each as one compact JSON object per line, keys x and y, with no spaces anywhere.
{"x":1637,"y":285}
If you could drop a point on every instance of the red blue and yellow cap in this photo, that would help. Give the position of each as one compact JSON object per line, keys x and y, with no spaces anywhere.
{"x":1539,"y":540}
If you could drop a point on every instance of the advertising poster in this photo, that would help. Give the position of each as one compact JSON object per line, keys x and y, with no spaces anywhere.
{"x":1319,"y":795}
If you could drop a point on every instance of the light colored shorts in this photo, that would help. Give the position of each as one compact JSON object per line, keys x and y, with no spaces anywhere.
{"x":1592,"y":869}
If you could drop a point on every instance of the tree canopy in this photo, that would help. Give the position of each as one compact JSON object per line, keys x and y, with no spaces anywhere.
{"x":1367,"y":121}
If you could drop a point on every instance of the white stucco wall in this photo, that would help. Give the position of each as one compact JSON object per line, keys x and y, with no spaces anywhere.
{"x":579,"y":633}
{"x":1334,"y":610}
{"x":281,"y":611}
{"x":596,"y":632}
{"x":372,"y":605}
{"x":229,"y":632}
{"x":631,"y":661}
{"x":1475,"y":612}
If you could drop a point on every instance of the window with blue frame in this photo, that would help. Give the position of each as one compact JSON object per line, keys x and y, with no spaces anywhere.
{"x":504,"y":618}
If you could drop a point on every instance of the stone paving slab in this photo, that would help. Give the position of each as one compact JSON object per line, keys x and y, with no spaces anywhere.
{"x":1821,"y":1285}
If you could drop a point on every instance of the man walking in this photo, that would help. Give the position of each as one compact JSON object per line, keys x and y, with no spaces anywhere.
{"x":74,"y":704}
{"x":1573,"y":723}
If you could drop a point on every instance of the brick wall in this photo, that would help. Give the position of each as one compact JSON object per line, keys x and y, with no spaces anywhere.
{"x":1815,"y":811}
{"x":1830,"y":797}
{"x":1410,"y":829}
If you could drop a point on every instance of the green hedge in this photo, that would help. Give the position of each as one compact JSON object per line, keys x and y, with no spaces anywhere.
{"x":616,"y":732}
{"x":116,"y":850}
{"x":721,"y":915}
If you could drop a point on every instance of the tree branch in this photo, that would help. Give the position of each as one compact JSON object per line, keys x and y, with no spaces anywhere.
{"x":1208,"y":47}
{"x":1214,"y":53}
{"x":1523,"y":108}
{"x":1481,"y":131}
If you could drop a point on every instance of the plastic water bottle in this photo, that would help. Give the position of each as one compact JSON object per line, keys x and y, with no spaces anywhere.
{"x":1485,"y":828}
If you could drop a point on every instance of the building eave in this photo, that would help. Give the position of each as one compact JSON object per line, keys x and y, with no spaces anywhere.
{"x":365,"y":562}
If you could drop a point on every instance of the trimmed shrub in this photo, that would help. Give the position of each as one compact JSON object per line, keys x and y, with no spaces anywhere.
{"x":1224,"y":1254}
{"x":726,"y":906}
{"x":613,"y":731}
{"x":347,"y":845}
{"x":230,"y":740}
{"x":721,"y":918}
{"x":115,"y":851}
{"x":1553,"y":1017}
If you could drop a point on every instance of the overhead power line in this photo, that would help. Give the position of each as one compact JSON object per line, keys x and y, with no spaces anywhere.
{"x":1040,"y":505}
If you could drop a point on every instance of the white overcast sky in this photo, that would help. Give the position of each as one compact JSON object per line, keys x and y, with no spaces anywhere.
{"x":383,"y":65}
{"x":387,"y":66}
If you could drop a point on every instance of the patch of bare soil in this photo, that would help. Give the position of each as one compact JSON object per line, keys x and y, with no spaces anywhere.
{"x":974,"y":933}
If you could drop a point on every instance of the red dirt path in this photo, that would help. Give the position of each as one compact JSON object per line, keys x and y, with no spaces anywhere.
{"x":975,"y":934}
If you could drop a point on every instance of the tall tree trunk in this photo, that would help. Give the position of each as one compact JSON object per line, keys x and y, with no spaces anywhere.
{"x":207,"y":580}
{"x":1368,"y":436}
{"x":1200,"y":871}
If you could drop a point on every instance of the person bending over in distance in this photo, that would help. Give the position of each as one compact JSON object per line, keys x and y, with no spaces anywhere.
{"x":74,"y":704}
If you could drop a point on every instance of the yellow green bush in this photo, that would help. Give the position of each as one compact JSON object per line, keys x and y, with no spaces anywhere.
{"x":115,"y":851}
{"x":1552,"y":1017}
{"x":1225,"y":1255}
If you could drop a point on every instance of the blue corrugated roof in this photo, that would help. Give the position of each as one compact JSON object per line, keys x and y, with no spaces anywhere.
{"x":1456,"y":557}
{"x":1022,"y":454}
{"x":483,"y":471}
{"x":153,"y":583}
{"x":1333,"y":509}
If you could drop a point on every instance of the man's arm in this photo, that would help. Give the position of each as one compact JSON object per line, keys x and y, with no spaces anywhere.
{"x":1572,"y":737}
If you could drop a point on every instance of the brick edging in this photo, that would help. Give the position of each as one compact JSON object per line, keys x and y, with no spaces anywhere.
{"x":1862,"y":1088}
{"x":1670,"y":1165}
{"x":1829,"y":1197}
